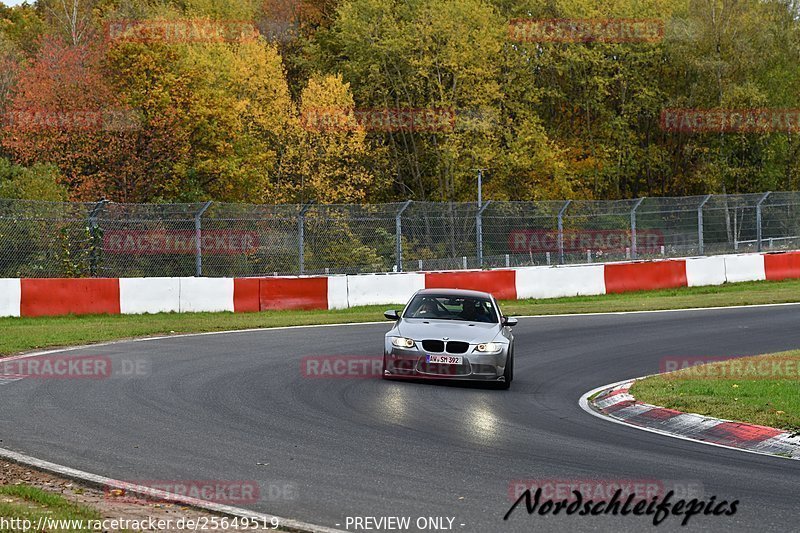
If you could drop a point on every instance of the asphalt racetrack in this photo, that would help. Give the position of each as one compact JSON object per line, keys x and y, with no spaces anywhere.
{"x":215,"y":406}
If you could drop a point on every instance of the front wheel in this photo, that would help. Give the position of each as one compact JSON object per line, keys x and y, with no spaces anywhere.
{"x":383,"y":371}
{"x":508,"y":374}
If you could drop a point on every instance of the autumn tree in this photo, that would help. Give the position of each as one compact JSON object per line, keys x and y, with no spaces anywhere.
{"x":330,"y":165}
{"x":224,"y":119}
{"x":422,"y":55}
{"x":44,"y":115}
{"x":38,"y":182}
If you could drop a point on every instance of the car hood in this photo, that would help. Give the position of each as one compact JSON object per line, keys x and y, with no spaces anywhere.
{"x":472,"y":332}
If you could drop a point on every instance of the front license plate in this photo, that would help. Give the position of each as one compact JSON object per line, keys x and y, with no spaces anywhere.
{"x":445,"y":359}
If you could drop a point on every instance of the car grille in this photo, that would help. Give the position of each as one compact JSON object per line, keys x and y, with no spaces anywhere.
{"x":457,"y":347}
{"x":433,"y":345}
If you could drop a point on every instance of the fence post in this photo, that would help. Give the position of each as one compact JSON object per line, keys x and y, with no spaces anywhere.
{"x":198,"y":243}
{"x":561,"y":231}
{"x":301,"y":222}
{"x":758,"y":219}
{"x":93,"y":245}
{"x":700,"y":243}
{"x":634,"y":254}
{"x":398,"y":232}
{"x":479,"y":231}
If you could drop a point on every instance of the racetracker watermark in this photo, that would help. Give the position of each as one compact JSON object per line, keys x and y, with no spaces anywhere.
{"x":212,"y":242}
{"x":621,"y":497}
{"x":73,"y":367}
{"x":194,"y":30}
{"x":360,"y":367}
{"x":756,"y":120}
{"x":341,"y":366}
{"x":223,"y":492}
{"x":712,"y":368}
{"x":540,"y":241}
{"x":586,"y":30}
{"x":337,"y":119}
{"x":148,"y":523}
{"x":114,"y":120}
{"x":600,"y":489}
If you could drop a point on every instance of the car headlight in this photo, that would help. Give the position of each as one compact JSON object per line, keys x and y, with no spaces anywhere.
{"x":488,"y":347}
{"x":402,"y":342}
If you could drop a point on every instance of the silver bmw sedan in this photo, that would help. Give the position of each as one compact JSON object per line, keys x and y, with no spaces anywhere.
{"x":450,"y":334}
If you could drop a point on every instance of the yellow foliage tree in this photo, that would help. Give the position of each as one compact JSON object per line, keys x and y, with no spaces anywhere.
{"x":329,"y":164}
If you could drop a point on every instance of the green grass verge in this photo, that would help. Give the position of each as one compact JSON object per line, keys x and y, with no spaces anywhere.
{"x":763,"y":390}
{"x":22,"y":334}
{"x":29,"y":503}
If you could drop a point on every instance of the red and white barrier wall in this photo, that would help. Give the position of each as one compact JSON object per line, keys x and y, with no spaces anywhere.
{"x":50,"y":297}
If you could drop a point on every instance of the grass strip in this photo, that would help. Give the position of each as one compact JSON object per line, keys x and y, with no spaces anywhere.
{"x":24,"y":334}
{"x":763,"y":390}
{"x":30,"y":503}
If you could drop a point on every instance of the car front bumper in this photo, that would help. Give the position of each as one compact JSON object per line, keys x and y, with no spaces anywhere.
{"x":412,"y":363}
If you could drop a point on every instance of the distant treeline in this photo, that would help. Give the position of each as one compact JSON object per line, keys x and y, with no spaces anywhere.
{"x":381,"y":100}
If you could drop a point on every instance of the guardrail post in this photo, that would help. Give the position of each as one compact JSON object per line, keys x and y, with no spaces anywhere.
{"x":758,"y":219}
{"x":561,"y":231}
{"x":634,"y":253}
{"x":479,"y":231}
{"x":700,"y":242}
{"x":198,"y":241}
{"x":301,"y":245}
{"x":93,"y":244}
{"x":398,"y":232}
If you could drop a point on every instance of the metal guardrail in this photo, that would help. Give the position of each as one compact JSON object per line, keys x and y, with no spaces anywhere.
{"x":47,"y":239}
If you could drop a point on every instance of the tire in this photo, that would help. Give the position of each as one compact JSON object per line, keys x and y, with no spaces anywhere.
{"x":383,"y":371}
{"x":508,"y":374}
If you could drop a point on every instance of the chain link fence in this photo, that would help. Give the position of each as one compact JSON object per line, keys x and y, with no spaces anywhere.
{"x":106,"y":239}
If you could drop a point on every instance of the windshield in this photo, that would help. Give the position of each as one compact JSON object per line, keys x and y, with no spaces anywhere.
{"x":452,"y":308}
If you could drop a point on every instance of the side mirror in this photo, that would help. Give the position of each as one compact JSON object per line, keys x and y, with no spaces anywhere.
{"x":510,"y":321}
{"x":391,"y":314}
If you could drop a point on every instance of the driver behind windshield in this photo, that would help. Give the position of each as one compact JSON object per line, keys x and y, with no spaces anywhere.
{"x":476,"y":311}
{"x":466,"y":309}
{"x":428,"y":309}
{"x":470,"y":311}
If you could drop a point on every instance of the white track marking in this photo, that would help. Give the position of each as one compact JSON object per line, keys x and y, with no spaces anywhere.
{"x":140,"y":490}
{"x":605,"y":313}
